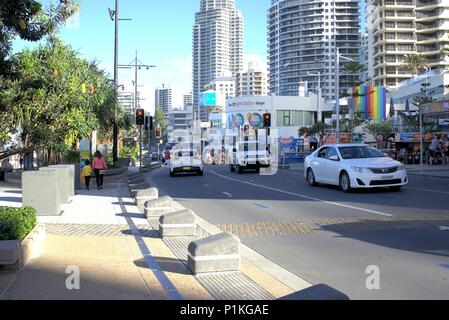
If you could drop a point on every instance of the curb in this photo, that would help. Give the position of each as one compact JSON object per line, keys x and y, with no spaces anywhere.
{"x":284,"y":276}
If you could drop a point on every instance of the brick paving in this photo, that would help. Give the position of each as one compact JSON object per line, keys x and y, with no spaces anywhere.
{"x":303,"y":227}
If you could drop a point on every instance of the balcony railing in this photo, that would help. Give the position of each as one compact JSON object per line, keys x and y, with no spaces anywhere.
{"x":425,"y":3}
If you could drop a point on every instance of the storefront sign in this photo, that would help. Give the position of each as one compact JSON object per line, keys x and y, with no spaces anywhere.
{"x":435,"y":107}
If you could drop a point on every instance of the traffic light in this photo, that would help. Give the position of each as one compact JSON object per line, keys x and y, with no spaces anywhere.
{"x":267,"y":120}
{"x":158,"y":133}
{"x":140,"y":117}
{"x":150,"y":124}
{"x":146,"y":123}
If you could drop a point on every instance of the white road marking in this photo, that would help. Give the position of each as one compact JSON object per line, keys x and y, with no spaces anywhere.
{"x":307,"y":197}
{"x":443,"y":228}
{"x":428,"y":190}
{"x":206,"y":185}
{"x":227,"y":194}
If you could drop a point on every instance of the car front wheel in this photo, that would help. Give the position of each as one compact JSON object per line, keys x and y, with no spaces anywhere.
{"x":311,"y":178}
{"x":345,"y":182}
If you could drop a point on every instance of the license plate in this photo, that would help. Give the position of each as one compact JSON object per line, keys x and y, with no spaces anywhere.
{"x":387,"y":177}
{"x":187,"y":168}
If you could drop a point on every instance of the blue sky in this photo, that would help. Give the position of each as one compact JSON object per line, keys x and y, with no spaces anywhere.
{"x":161,"y":31}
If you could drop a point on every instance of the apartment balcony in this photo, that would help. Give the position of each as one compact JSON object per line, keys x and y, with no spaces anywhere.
{"x":428,"y":4}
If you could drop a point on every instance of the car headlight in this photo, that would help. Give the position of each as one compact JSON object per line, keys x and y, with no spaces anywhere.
{"x":360,"y":169}
{"x":401,"y":168}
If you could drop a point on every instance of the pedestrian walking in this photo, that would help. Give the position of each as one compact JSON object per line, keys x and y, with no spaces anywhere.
{"x":87,"y":173}
{"x":99,"y":164}
{"x":433,"y":149}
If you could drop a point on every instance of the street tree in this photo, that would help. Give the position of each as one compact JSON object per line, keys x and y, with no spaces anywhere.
{"x":355,"y":69}
{"x":415,"y":63}
{"x":320,"y":131}
{"x":52,"y":99}
{"x":159,"y":120}
{"x":30,"y":20}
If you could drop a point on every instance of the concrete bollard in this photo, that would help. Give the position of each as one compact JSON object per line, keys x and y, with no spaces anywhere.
{"x":317,"y":292}
{"x":178,"y":224}
{"x":63,"y":182}
{"x":71,"y":176}
{"x":142,"y":185}
{"x":133,"y":190}
{"x":46,"y":200}
{"x":144,"y":195}
{"x":158,"y":207}
{"x":217,"y":253}
{"x":136,"y":181}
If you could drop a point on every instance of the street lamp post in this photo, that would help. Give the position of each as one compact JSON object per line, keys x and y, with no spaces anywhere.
{"x":318,"y":94}
{"x":114,"y":15}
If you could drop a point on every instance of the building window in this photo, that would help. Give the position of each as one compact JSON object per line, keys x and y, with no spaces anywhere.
{"x":283,"y":118}
{"x":309,"y":118}
{"x":297,"y":118}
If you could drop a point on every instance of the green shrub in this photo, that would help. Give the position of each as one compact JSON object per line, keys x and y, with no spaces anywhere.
{"x":16,"y":223}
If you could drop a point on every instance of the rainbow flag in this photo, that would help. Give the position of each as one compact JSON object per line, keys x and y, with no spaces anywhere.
{"x":371,"y":102}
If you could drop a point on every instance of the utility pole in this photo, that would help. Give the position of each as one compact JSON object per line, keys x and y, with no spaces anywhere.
{"x":114,"y":15}
{"x":137,"y":64}
{"x":337,"y":95}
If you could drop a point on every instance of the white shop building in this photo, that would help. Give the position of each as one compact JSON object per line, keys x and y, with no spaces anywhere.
{"x":288,"y":113}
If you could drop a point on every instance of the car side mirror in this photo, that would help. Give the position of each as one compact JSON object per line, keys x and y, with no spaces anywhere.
{"x":334,"y":158}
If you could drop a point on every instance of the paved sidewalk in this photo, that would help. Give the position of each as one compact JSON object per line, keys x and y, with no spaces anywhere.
{"x":118,"y":253}
{"x":94,"y":235}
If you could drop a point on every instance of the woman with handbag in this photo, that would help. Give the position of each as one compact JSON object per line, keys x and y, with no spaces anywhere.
{"x":99,"y":164}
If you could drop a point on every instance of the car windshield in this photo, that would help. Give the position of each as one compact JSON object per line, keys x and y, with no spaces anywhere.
{"x":360,"y":152}
{"x":187,"y":153}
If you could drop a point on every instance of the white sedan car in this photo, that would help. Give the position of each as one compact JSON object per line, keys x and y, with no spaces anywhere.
{"x":352,"y":166}
{"x":182,"y":161}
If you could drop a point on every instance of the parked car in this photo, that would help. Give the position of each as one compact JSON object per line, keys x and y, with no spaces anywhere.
{"x":352,"y":166}
{"x":185,"y":161}
{"x":248,"y":155}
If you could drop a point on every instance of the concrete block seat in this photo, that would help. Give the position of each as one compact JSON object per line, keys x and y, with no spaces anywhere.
{"x":217,"y":253}
{"x":158,"y":207}
{"x":178,"y":224}
{"x":144,"y":195}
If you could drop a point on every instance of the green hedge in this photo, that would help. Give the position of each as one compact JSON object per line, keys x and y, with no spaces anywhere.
{"x":16,"y":223}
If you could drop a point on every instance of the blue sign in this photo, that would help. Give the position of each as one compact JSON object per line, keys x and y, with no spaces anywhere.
{"x":208,"y":99}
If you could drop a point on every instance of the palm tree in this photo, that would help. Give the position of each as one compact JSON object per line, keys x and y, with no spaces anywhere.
{"x":414,"y":62}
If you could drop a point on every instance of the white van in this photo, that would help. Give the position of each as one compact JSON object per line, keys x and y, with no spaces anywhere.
{"x":249,"y":155}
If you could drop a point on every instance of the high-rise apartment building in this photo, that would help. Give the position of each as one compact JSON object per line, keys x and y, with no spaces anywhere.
{"x":303,"y":36}
{"x":187,"y":100}
{"x":252,"y":82}
{"x":217,"y":44}
{"x":391,"y":36}
{"x":163,"y":98}
{"x":432,"y":31}
{"x":397,"y":28}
